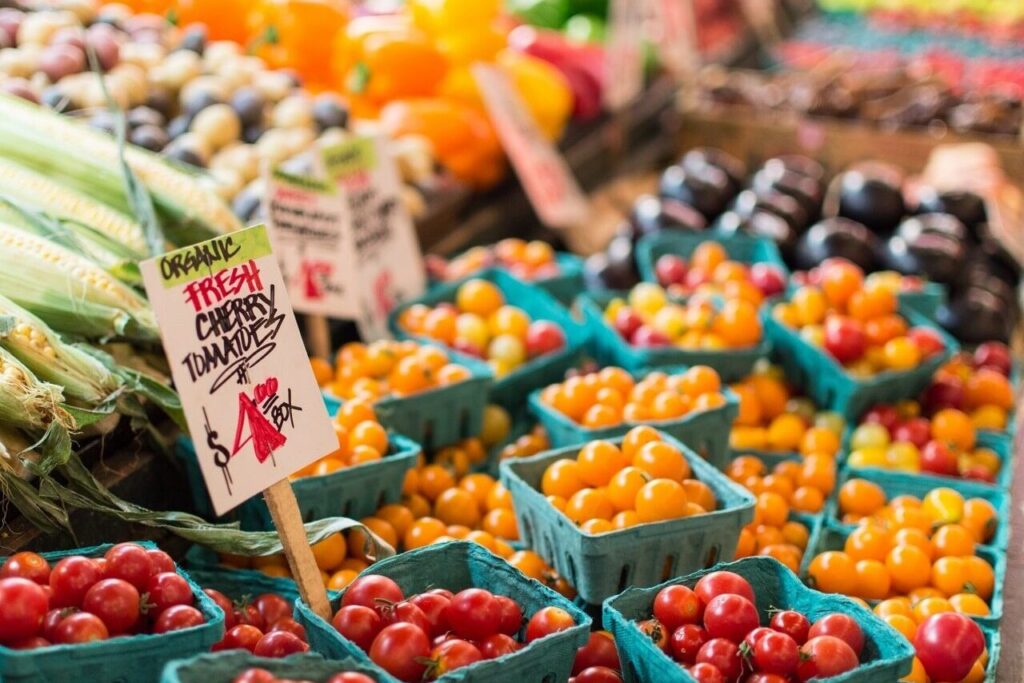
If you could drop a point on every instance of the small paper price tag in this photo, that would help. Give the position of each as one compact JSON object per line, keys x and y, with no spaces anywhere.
{"x":386,"y":247}
{"x":624,"y":56}
{"x":253,"y":407}
{"x":309,"y":227}
{"x":546,"y":178}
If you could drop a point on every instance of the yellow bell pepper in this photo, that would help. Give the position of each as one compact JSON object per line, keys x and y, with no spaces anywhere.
{"x":543,"y":88}
{"x":440,"y":16}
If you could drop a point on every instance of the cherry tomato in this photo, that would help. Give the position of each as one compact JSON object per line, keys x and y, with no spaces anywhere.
{"x":80,"y":627}
{"x":248,"y":614}
{"x":792,"y":623}
{"x":511,"y":615}
{"x":225,"y":605}
{"x":730,"y":616}
{"x":453,"y":654}
{"x":367,"y":590}
{"x":686,"y":642}
{"x":757,"y":634}
{"x":433,"y":605}
{"x":706,"y":673}
{"x":167,"y":589}
{"x":714,"y":584}
{"x":825,"y":656}
{"x":546,"y":621}
{"x":116,"y":602}
{"x":255,"y":676}
{"x":289,"y":625}
{"x":677,"y":605}
{"x":240,"y":637}
{"x":948,"y":644}
{"x":350,"y":677}
{"x":130,"y":562}
{"x":272,"y":608}
{"x":358,"y":623}
{"x":777,"y":653}
{"x":498,"y":645}
{"x":405,"y":612}
{"x":841,"y":626}
{"x":52,"y":618}
{"x":765,"y":678}
{"x":401,"y":650}
{"x":474,"y":613}
{"x":30,"y":643}
{"x":598,"y":674}
{"x":71,"y":578}
{"x":23,"y":606}
{"x":160,"y":560}
{"x":26,"y":565}
{"x":724,"y":656}
{"x":279,"y":644}
{"x":443,"y":592}
{"x":599,"y":650}
{"x":177,"y":618}
{"x":653,"y":629}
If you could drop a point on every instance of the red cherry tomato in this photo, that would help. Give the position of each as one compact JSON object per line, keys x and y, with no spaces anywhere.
{"x":714,"y":584}
{"x":405,"y":612}
{"x":26,"y":565}
{"x":792,"y":623}
{"x":71,"y":578}
{"x":272,"y":608}
{"x":825,"y":656}
{"x":724,"y":655}
{"x":598,"y":674}
{"x":32,"y":643}
{"x":653,"y":629}
{"x":451,"y":655}
{"x":401,"y":650}
{"x":473,"y":613}
{"x":948,"y":644}
{"x":777,"y":653}
{"x":80,"y":627}
{"x":168,"y":589}
{"x":730,"y":616}
{"x":52,"y":618}
{"x":177,"y":618}
{"x":350,"y":677}
{"x":443,"y":592}
{"x":498,"y":645}
{"x":225,"y":605}
{"x":757,"y":634}
{"x":289,"y":625}
{"x":433,"y":605}
{"x":677,"y":605}
{"x":511,"y":615}
{"x":368,"y":590}
{"x":359,"y":624}
{"x":130,"y":562}
{"x":765,"y":678}
{"x":255,"y":676}
{"x":116,"y":602}
{"x":240,"y":637}
{"x":546,"y":621}
{"x":706,"y":673}
{"x":599,"y":650}
{"x":279,"y":644}
{"x":160,"y":560}
{"x":248,"y":614}
{"x":23,"y":606}
{"x":841,"y":626}
{"x":686,"y":642}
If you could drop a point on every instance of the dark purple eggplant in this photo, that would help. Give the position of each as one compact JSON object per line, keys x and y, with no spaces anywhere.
{"x":872,"y":200}
{"x":837,"y":238}
{"x":706,"y":189}
{"x":652,"y":214}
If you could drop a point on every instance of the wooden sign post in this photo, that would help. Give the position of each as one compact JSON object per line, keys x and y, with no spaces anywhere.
{"x":253,"y":408}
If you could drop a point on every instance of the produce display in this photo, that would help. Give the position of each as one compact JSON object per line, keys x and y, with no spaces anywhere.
{"x":257,"y":675}
{"x":533,"y":260}
{"x":263,"y":626}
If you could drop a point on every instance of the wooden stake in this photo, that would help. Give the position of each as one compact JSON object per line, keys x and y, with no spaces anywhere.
{"x":318,"y":336}
{"x":284,"y":510}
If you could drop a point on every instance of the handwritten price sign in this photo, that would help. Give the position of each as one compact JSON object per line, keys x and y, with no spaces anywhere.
{"x":312,"y":236}
{"x":238,"y":361}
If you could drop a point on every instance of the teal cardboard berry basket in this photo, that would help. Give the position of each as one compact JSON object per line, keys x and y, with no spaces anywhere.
{"x":705,"y":431}
{"x":927,"y":301}
{"x":510,"y":391}
{"x":119,"y":659}
{"x":563,"y":287}
{"x":829,"y":384}
{"x":601,"y":565}
{"x":439,"y":416}
{"x":609,"y":348}
{"x":832,"y":536}
{"x":739,"y":247}
{"x":887,"y":655}
{"x":223,"y":667}
{"x":458,"y":565}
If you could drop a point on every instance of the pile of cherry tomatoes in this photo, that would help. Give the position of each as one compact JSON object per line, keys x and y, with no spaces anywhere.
{"x":710,"y":271}
{"x":529,"y":261}
{"x":258,"y":675}
{"x":263,"y":625}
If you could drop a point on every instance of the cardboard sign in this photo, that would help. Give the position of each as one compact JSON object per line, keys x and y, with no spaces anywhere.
{"x":386,"y":247}
{"x":624,"y":55}
{"x":543,"y":172}
{"x":252,"y":405}
{"x":675,"y":26}
{"x":308,"y":223}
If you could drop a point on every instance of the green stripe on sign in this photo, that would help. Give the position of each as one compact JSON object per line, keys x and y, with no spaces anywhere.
{"x":206,"y":258}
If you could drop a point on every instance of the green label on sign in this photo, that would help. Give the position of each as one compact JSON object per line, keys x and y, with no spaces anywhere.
{"x":305,"y":182}
{"x":206,"y":258}
{"x":358,"y":154}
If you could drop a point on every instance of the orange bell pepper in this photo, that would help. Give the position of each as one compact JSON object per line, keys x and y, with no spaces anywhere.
{"x":463,"y":138}
{"x":382,"y":59}
{"x":224,"y":19}
{"x":441,"y":16}
{"x":297,"y":34}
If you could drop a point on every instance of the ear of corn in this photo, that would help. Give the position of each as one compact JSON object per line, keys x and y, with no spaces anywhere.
{"x":88,"y":161}
{"x":69,"y":292}
{"x":14,"y":448}
{"x":26,"y":402}
{"x":28,"y":338}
